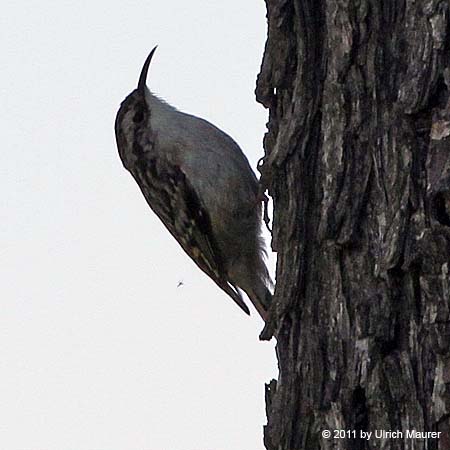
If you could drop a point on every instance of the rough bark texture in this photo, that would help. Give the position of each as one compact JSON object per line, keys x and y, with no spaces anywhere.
{"x":358,"y":164}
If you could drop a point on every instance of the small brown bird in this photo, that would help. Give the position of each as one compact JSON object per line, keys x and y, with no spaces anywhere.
{"x":199,"y":183}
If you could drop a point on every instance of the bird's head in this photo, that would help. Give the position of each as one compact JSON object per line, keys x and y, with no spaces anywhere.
{"x":133,"y":117}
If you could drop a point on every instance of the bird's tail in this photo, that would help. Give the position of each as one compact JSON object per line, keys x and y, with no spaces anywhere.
{"x":261,"y":297}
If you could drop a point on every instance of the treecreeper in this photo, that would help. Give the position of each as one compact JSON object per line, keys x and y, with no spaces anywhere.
{"x":198,"y":181}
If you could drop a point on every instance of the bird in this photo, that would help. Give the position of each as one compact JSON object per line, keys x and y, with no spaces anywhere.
{"x":200,"y":184}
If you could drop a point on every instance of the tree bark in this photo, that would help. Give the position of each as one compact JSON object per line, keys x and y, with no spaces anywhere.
{"x":358,"y":165}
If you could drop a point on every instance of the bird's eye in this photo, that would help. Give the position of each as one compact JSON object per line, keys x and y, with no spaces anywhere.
{"x":138,"y":116}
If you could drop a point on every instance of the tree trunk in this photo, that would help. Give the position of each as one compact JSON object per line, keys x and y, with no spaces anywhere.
{"x":358,"y":165}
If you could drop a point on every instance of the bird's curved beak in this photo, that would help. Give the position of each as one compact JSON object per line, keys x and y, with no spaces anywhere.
{"x":144,"y":72}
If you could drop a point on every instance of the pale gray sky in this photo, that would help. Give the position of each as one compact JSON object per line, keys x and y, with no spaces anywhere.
{"x":99,"y":349}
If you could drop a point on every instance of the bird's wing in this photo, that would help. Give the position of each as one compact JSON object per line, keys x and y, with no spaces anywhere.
{"x":175,"y":202}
